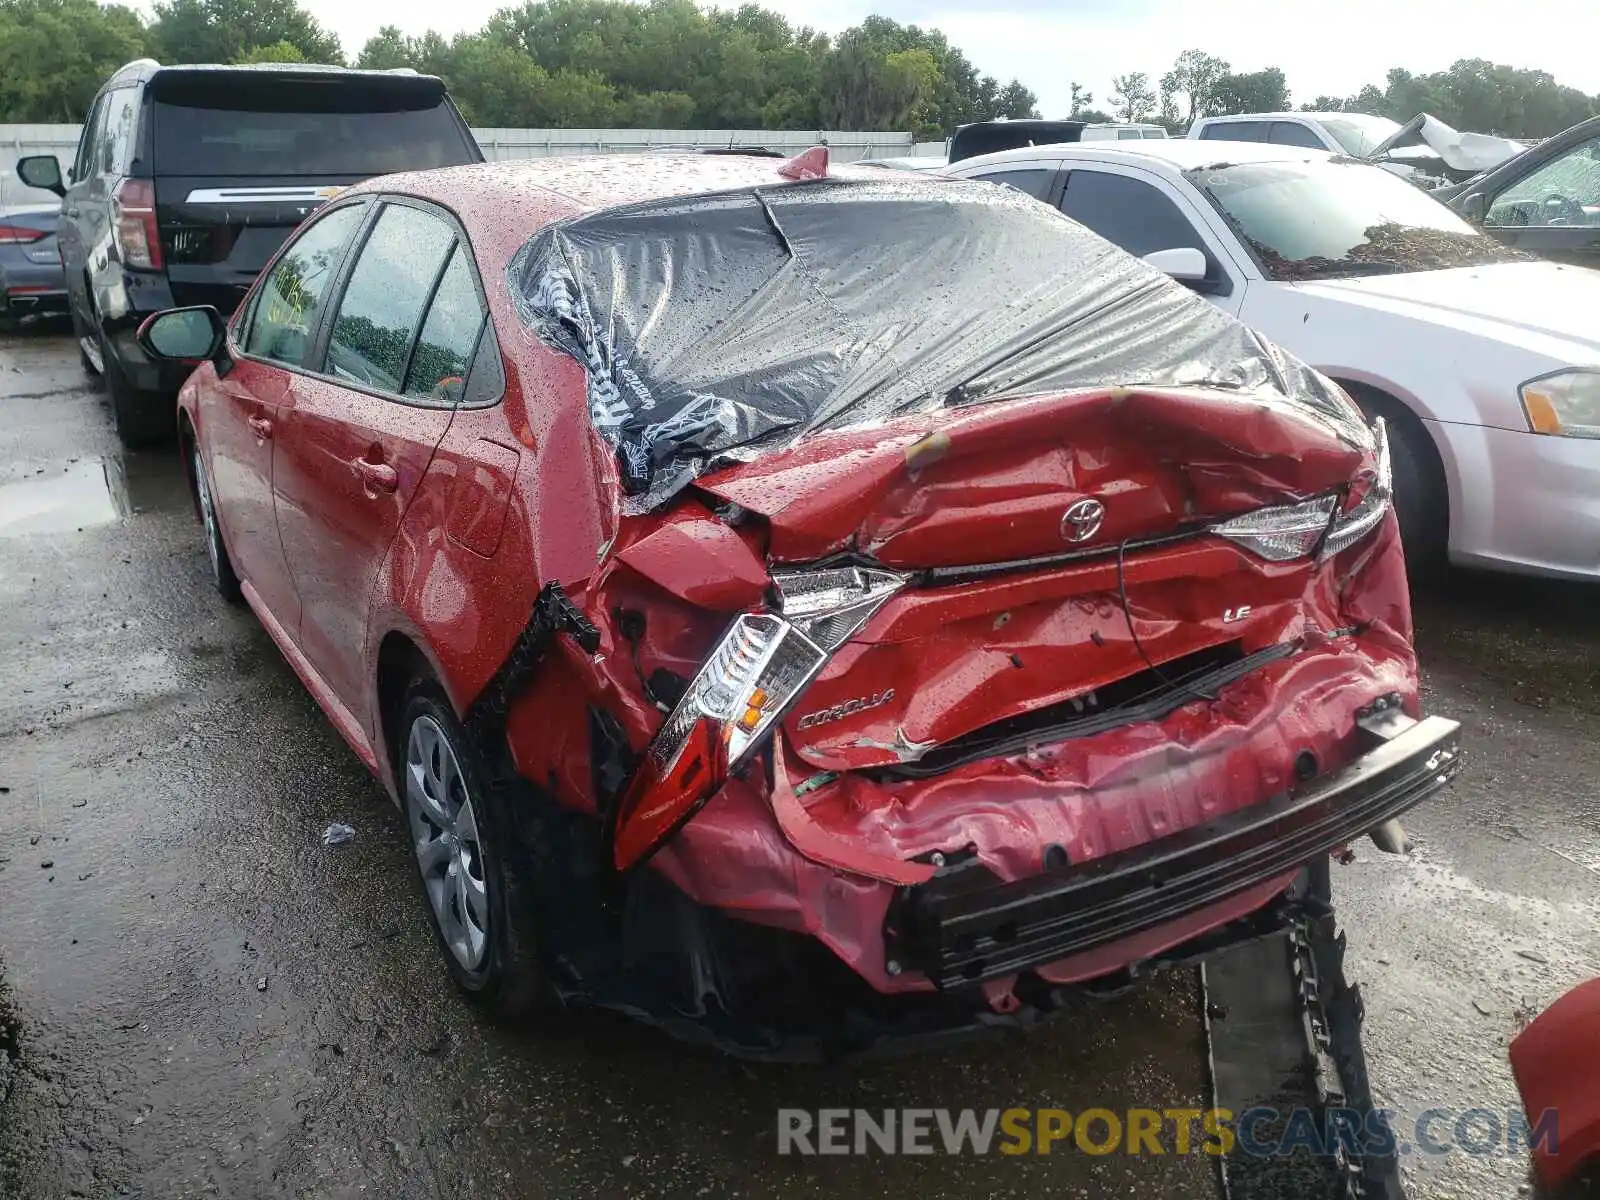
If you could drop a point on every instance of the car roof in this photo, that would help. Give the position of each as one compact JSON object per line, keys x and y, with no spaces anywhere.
{"x":1182,"y":154}
{"x":594,"y":181}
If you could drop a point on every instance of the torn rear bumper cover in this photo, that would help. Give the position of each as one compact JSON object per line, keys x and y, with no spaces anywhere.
{"x":962,"y":927}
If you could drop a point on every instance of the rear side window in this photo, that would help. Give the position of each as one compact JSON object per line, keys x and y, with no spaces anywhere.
{"x":283,"y":128}
{"x":440,"y":363}
{"x":89,"y":141}
{"x":389,"y":289}
{"x":1291,"y":133}
{"x":1235,"y":131}
{"x":1035,"y":181}
{"x":289,"y":303}
{"x":1127,"y":212}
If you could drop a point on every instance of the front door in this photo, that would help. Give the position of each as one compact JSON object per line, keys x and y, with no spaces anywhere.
{"x":241,"y":418}
{"x":357,"y":440}
{"x":1554,"y":210}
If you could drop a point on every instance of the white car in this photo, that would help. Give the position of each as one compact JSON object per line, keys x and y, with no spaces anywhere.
{"x":1357,"y":134}
{"x":1120,"y":131}
{"x":1484,"y":363}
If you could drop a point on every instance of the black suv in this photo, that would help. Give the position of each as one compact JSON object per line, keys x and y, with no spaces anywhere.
{"x":188,"y":179}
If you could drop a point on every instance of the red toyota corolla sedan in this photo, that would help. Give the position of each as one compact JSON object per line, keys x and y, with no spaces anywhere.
{"x":806,"y":607}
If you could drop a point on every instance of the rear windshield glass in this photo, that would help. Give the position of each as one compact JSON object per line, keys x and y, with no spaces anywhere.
{"x":215,"y":125}
{"x":715,"y":327}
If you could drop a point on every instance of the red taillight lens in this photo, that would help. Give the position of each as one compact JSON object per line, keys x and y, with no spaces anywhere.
{"x":133,"y":211}
{"x":662,"y":797}
{"x":18,"y":235}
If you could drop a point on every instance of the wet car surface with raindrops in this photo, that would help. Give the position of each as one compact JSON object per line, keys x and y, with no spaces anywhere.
{"x":197,"y":996}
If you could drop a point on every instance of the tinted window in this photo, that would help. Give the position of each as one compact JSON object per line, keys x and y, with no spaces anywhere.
{"x":290,"y":301}
{"x":1288,"y":133}
{"x":1127,"y":212}
{"x":439,"y":364}
{"x":218,"y":125}
{"x":1235,"y":131}
{"x":1035,"y":181}
{"x":1564,"y":191}
{"x":388,"y":290}
{"x":89,"y":142}
{"x":122,"y":118}
{"x":1155,"y":133}
{"x":1128,"y":135}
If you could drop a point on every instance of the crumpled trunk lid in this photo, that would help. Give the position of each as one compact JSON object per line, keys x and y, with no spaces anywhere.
{"x":1022,"y":619}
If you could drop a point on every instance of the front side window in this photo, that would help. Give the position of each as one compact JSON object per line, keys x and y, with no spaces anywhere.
{"x":1127,"y":212}
{"x":383,"y":304}
{"x":289,"y":304}
{"x":1334,"y":217}
{"x":1564,"y":191}
{"x":1034,"y":181}
{"x":439,"y":364}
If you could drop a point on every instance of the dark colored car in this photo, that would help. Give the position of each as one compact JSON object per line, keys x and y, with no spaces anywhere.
{"x":1546,"y":200}
{"x":806,"y":607}
{"x":187,"y":179}
{"x":31,"y":281}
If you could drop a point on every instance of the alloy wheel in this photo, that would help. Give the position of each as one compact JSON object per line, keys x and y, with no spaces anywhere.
{"x":444,"y":834}
{"x":208,"y":516}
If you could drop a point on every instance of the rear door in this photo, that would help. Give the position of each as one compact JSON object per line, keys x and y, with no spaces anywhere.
{"x":1554,"y":209}
{"x":241,"y":414}
{"x":241,"y":158}
{"x":363,"y":427}
{"x":75,"y":232}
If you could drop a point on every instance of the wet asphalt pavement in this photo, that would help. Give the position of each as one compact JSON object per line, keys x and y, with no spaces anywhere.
{"x":198,"y":998}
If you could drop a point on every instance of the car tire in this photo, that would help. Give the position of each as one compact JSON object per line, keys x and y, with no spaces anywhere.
{"x":143,"y":419}
{"x":474,"y":872}
{"x":1421,"y":499}
{"x":222,"y":573}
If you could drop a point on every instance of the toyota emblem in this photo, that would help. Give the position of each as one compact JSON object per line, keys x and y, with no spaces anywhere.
{"x":1082,"y":520}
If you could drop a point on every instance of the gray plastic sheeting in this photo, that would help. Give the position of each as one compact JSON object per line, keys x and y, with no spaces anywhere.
{"x":715,"y":327}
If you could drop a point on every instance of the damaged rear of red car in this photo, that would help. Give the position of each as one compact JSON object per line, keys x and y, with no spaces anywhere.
{"x":975,"y":612}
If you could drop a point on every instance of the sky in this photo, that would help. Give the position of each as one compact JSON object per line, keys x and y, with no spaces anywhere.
{"x":1325,"y":48}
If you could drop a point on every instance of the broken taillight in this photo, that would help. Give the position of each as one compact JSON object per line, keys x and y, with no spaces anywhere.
{"x":1286,"y":532}
{"x":758,"y":670}
{"x":133,"y":212}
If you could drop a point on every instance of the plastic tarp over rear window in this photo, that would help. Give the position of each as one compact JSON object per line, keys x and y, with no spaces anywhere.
{"x":715,"y":327}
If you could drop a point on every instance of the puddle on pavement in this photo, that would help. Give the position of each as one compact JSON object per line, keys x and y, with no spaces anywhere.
{"x":90,"y":492}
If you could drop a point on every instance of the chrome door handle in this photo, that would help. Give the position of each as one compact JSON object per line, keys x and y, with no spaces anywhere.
{"x":381,"y":476}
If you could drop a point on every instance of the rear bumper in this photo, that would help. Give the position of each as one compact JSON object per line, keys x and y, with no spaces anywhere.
{"x":963,"y":927}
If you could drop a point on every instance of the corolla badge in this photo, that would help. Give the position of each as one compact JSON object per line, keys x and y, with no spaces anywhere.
{"x":1082,"y":520}
{"x":848,"y":708}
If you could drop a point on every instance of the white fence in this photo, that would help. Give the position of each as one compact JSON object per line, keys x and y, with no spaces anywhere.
{"x":17,"y":141}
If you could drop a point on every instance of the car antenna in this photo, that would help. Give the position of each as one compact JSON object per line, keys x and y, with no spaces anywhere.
{"x":809,"y":164}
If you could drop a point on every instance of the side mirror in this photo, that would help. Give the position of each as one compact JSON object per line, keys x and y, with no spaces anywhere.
{"x":191,"y":335}
{"x":41,"y":171}
{"x":1186,"y":264}
{"x":1473,"y":208}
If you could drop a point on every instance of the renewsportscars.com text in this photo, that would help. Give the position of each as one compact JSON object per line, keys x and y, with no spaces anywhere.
{"x":1258,"y":1132}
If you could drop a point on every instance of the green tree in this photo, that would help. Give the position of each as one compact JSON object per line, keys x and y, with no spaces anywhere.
{"x":223,"y":31}
{"x":1187,"y":90}
{"x":1253,"y":92}
{"x":55,"y":54}
{"x":280,"y":52}
{"x":1082,"y":98}
{"x":1132,"y":97}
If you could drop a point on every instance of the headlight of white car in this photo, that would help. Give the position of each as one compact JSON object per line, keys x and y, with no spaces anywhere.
{"x":1566,"y":404}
